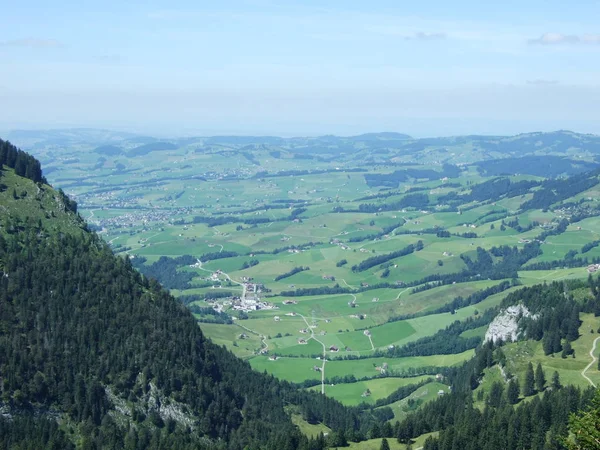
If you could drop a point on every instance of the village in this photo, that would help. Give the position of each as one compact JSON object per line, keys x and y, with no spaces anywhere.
{"x":248,"y":301}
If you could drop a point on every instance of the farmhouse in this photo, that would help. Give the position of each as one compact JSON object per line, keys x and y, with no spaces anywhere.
{"x":301,"y":341}
{"x":333,"y":348}
{"x":276,"y":318}
{"x":592,"y":268}
{"x":367,"y":333}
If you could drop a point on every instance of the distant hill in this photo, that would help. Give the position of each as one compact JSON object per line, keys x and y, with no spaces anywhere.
{"x":541,"y":166}
{"x":109,"y":150}
{"x":152,"y":147}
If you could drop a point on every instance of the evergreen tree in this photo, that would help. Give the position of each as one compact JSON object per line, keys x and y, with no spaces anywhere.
{"x":556,"y":381}
{"x":547,"y":344}
{"x":384,"y":445}
{"x":567,"y":350}
{"x":584,"y":427}
{"x":540,"y":378}
{"x":375,"y":431}
{"x":495,"y":397}
{"x":529,"y":383}
{"x":512,"y":393}
{"x":556,"y":344}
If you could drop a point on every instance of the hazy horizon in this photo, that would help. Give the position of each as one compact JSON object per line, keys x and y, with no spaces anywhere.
{"x":6,"y":133}
{"x":301,"y":68}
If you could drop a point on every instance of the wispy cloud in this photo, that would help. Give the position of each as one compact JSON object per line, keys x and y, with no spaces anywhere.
{"x":424,"y":36}
{"x":542,"y":82}
{"x":565,"y":39}
{"x":32,"y":43}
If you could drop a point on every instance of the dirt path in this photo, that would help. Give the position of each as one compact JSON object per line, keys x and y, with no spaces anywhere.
{"x":264,"y":345}
{"x":592,"y":363}
{"x":219,"y":246}
{"x":312,"y":336}
{"x":89,"y":218}
{"x":371,"y":341}
{"x":398,"y":297}
{"x":351,"y":287}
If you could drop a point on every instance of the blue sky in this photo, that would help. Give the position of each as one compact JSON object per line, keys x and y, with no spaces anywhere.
{"x":312,"y":67}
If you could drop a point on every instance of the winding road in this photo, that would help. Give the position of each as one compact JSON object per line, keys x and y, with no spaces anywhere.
{"x":243,"y":285}
{"x":592,"y":363}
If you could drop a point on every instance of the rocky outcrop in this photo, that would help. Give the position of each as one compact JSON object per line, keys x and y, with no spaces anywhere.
{"x":506,"y":324}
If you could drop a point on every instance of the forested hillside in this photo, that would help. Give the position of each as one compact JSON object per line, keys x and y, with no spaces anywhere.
{"x":93,"y":355}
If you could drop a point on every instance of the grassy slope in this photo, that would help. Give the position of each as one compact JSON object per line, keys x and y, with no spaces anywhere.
{"x":37,"y":204}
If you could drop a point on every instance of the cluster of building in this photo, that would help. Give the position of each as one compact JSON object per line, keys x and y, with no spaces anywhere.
{"x":339,"y":244}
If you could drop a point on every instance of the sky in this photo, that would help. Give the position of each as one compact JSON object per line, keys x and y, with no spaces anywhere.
{"x":425,"y":68}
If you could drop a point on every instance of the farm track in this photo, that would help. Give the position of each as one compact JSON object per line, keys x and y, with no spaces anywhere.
{"x":591,"y":363}
{"x":371,"y":341}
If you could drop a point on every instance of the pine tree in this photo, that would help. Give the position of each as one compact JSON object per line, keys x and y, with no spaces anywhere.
{"x":375,"y":431}
{"x":495,"y":396}
{"x":585,"y":427}
{"x":555,"y":381}
{"x":540,"y":378}
{"x":512,"y":393}
{"x":567,"y":350}
{"x":384,"y":445}
{"x":529,"y":384}
{"x":556,"y":345}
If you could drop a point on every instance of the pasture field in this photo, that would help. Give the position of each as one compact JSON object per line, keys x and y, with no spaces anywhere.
{"x":521,"y":353}
{"x":375,"y":444}
{"x":423,"y":395}
{"x":308,"y":429}
{"x":230,"y":336}
{"x":255,"y":209}
{"x":354,"y":393}
{"x":301,"y":369}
